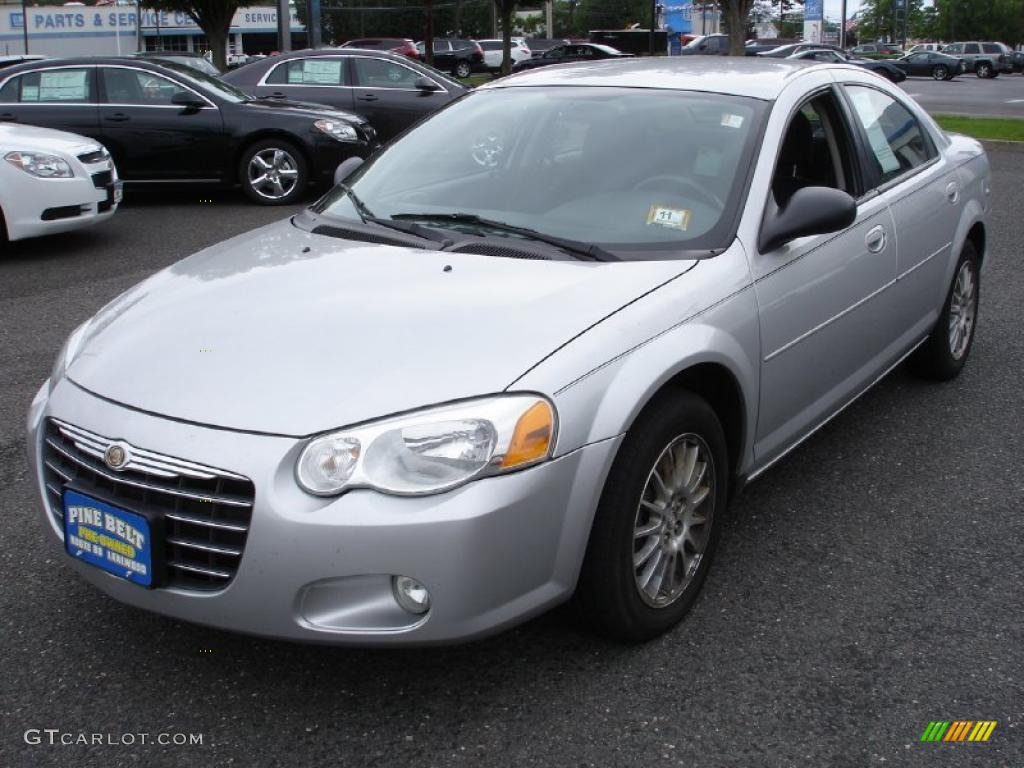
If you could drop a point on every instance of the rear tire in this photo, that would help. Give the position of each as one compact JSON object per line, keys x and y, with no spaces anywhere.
{"x":653,"y":540}
{"x":463,"y":69}
{"x":944,"y":353}
{"x":940,"y":73}
{"x":983,"y":70}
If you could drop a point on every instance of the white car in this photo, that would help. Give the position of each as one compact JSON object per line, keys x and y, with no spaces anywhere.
{"x":52,"y":181}
{"x":493,"y":51}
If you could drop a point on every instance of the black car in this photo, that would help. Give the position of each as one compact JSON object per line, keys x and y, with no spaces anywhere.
{"x":938,"y":66}
{"x":1017,"y":61}
{"x":168,"y":122}
{"x":540,"y":45}
{"x":791,"y":49}
{"x":706,"y":45}
{"x":884,"y":68}
{"x":391,"y":91}
{"x":763,"y":45}
{"x":459,"y":57}
{"x":194,"y":60}
{"x":561,"y":54}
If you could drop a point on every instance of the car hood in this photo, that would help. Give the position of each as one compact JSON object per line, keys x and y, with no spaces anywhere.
{"x":30,"y":138}
{"x":300,"y":109}
{"x":288,"y":332}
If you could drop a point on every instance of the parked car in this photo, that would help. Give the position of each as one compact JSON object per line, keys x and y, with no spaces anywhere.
{"x":494,"y":52}
{"x":881,"y":67}
{"x":938,"y":66}
{"x":10,"y":61}
{"x":540,"y":45}
{"x":761,"y":45}
{"x":194,"y":60}
{"x":786,"y":51}
{"x":567,"y":53}
{"x":53,"y":181}
{"x":983,"y":59}
{"x":876,"y":50}
{"x":926,"y":48}
{"x":1017,"y":61}
{"x":514,"y":358}
{"x":387,"y":89}
{"x":400,"y":45}
{"x":163,"y":121}
{"x":460,"y":58}
{"x":707,"y":45}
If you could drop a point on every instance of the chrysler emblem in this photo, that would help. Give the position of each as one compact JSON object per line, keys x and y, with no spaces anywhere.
{"x":117,"y":456}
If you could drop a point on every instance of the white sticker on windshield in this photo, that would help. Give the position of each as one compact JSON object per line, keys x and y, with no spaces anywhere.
{"x":673,"y":218}
{"x":732,"y":121}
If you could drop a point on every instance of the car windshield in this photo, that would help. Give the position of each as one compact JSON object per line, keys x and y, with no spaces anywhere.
{"x":207,"y":83}
{"x":627,"y":169}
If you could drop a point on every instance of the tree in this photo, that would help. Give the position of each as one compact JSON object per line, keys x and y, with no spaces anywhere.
{"x":736,"y":13}
{"x":506,"y":10}
{"x":213,"y":17}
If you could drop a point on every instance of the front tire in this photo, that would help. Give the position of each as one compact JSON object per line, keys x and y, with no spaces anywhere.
{"x":463,"y":69}
{"x":658,"y":521}
{"x":944,"y":354}
{"x":940,"y":73}
{"x":273,"y":172}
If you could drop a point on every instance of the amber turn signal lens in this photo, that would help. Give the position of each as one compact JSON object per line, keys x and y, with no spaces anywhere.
{"x":531,"y":440}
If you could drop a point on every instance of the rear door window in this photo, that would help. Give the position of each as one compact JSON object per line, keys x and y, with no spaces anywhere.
{"x":55,"y":86}
{"x":971,"y":48}
{"x":321,"y":70}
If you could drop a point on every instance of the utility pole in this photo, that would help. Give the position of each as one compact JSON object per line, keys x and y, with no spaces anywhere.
{"x":284,"y":27}
{"x":24,"y":23}
{"x":549,"y":16}
{"x":314,"y":35}
{"x":842,"y":26}
{"x":654,"y":20}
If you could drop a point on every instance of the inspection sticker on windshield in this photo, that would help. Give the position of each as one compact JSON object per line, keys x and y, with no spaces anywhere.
{"x":674,"y":218}
{"x":732,"y":121}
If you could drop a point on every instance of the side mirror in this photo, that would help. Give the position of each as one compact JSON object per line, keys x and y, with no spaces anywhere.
{"x":187,"y":100}
{"x":347,"y":166}
{"x":426,"y":85}
{"x":810,"y":211}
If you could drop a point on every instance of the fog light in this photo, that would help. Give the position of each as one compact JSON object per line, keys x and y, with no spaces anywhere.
{"x":410,"y":594}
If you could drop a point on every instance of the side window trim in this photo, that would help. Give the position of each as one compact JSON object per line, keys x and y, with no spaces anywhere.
{"x":355,"y":76}
{"x":872,"y":181}
{"x":101,"y":83}
{"x":346,"y":73}
{"x":93,"y":99}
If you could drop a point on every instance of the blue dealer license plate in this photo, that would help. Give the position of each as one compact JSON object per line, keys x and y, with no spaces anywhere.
{"x":110,"y":538}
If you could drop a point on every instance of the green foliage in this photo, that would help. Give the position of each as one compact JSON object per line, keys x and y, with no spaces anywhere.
{"x":999,"y":128}
{"x":213,"y":17}
{"x":946,"y":20}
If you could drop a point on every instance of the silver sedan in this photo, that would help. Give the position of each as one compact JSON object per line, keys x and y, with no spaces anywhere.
{"x":527,"y":352}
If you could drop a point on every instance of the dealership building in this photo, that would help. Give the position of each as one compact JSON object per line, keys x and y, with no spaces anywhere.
{"x":109,"y":30}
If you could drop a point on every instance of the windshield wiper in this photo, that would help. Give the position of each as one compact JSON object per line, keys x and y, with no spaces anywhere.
{"x":579,"y":248}
{"x":366,"y":215}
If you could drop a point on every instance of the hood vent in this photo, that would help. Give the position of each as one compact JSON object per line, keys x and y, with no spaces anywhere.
{"x":501,"y":251}
{"x":363,"y":236}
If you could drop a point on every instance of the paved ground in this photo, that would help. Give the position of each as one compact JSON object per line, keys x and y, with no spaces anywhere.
{"x":869,"y":584}
{"x":967,"y":95}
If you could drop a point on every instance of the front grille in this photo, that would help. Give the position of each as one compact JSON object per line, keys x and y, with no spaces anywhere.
{"x":102,"y":179}
{"x":94,"y":157}
{"x":206,"y":511}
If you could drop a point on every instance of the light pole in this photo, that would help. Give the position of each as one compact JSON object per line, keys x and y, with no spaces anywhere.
{"x":24,"y":23}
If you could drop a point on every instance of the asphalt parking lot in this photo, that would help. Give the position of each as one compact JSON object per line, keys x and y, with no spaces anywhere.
{"x":867,"y":585}
{"x":968,"y":95}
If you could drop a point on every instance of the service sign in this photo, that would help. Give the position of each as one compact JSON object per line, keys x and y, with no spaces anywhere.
{"x":113,"y":539}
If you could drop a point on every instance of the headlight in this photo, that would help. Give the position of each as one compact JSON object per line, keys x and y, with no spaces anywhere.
{"x":337,"y":130}
{"x":68,"y":353}
{"x":40,"y":164}
{"x":433,"y":450}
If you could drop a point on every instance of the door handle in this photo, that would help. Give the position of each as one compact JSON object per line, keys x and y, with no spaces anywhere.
{"x":953,"y":192}
{"x":875,"y":239}
{"x":118,"y":117}
{"x":367,"y":97}
{"x":277,"y":95}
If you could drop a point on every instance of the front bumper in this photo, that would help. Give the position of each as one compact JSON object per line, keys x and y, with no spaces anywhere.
{"x":34,"y":207}
{"x":492,"y":553}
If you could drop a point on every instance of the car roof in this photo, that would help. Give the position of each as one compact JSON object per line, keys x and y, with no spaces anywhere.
{"x":759,"y":78}
{"x":140,"y":62}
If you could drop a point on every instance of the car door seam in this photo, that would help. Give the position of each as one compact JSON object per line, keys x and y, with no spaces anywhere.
{"x":829,"y":321}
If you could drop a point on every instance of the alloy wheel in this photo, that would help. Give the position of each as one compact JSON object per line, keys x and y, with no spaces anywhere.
{"x":673,"y":520}
{"x":963,"y":306}
{"x":273,"y":173}
{"x":939,"y":73}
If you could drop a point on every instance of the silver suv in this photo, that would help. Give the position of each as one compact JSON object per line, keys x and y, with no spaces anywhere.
{"x":983,"y":59}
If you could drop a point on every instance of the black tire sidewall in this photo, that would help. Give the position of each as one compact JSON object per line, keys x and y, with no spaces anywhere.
{"x":608,"y":594}
{"x":300,"y":162}
{"x":463,"y":67}
{"x":937,"y":70}
{"x":934,"y":359}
